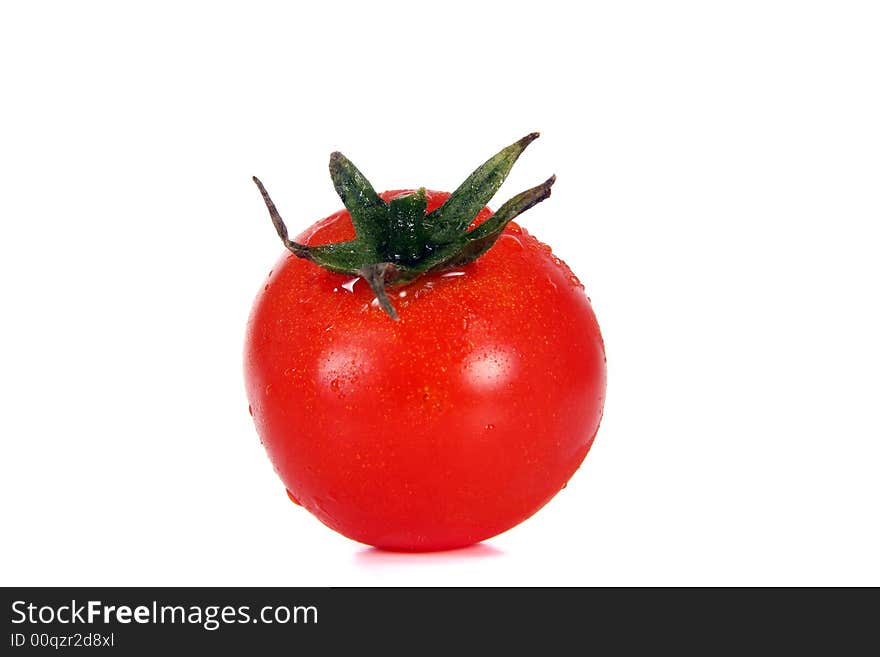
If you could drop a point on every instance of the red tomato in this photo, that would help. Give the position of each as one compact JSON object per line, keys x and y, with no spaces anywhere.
{"x":439,"y":430}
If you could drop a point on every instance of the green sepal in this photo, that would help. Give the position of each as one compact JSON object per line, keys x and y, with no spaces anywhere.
{"x":376,"y":276}
{"x":369,"y":213}
{"x":406,"y":229}
{"x":448,"y":221}
{"x":341,"y":257}
{"x":483,"y":237}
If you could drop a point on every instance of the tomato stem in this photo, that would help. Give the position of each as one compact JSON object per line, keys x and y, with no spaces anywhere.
{"x":397,"y":241}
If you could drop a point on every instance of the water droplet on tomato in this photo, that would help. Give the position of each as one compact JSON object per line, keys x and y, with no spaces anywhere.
{"x":269,"y":389}
{"x":489,"y":427}
{"x":424,"y":289}
{"x":292,"y":498}
{"x":511,"y":242}
{"x":574,"y":280}
{"x":334,"y":385}
{"x":250,"y":410}
{"x":348,"y":286}
{"x":452,"y":274}
{"x":402,"y":294}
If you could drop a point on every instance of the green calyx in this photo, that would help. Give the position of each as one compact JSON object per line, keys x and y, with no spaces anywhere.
{"x":397,"y":241}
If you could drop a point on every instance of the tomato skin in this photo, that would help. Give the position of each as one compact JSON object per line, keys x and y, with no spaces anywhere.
{"x":440,"y":430}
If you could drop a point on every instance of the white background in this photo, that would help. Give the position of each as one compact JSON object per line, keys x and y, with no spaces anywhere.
{"x":718,"y":168}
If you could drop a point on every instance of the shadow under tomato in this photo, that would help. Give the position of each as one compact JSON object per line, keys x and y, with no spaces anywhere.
{"x":370,"y":557}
